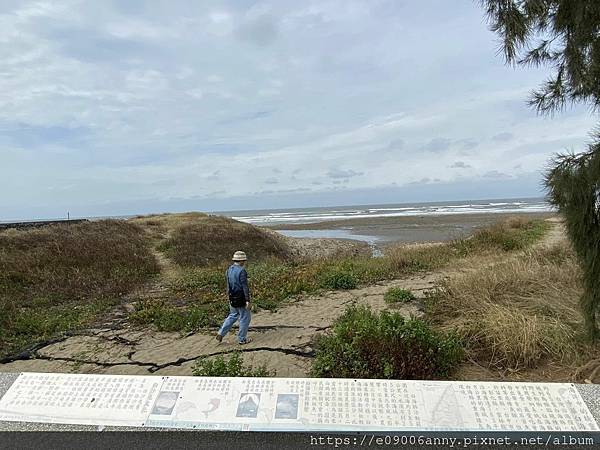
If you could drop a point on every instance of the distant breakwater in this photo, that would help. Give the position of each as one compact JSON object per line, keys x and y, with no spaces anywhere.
{"x":38,"y":223}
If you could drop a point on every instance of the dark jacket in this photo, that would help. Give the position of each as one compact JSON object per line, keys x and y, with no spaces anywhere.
{"x":237,"y":282}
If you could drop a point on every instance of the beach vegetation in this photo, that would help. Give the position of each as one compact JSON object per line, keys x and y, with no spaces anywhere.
{"x":60,"y":277}
{"x":365,"y":344}
{"x":516,"y":233}
{"x":210,"y":240}
{"x":170,"y":318}
{"x":274,"y":282}
{"x":338,"y":277}
{"x":398,"y":295}
{"x":574,"y":184}
{"x":231,"y":366}
{"x":517,"y":314}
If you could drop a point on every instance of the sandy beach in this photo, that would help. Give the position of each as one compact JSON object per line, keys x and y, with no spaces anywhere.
{"x":408,"y":229}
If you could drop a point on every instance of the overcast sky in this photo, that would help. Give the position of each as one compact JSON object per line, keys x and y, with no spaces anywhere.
{"x":145,"y":106}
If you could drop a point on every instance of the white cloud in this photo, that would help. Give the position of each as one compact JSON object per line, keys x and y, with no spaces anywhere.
{"x":104,"y":103}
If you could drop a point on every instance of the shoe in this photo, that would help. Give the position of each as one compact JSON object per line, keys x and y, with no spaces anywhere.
{"x":218,"y":337}
{"x":245,"y":341}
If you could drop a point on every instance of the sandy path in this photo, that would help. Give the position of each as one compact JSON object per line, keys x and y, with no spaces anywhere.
{"x":282,"y":340}
{"x":555,"y":235}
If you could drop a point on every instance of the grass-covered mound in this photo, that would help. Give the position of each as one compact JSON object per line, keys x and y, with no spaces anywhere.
{"x":201,"y":240}
{"x":516,"y":314}
{"x":364,"y":344}
{"x":57,"y":277}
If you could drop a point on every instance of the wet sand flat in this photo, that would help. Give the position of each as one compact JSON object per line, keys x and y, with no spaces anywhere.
{"x":411,"y":229}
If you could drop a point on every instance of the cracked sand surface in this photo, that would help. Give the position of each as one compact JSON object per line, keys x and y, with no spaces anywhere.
{"x":282,"y":340}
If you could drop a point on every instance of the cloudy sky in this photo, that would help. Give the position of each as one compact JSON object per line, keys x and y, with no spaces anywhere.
{"x":145,"y":106}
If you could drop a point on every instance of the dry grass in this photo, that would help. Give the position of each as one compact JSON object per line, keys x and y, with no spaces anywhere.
{"x":159,"y":226}
{"x":210,"y":240}
{"x":514,"y":233}
{"x":54,"y":277}
{"x":517,"y":313}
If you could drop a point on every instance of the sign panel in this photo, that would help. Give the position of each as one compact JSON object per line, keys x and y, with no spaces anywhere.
{"x":295,"y":404}
{"x":340,"y":404}
{"x":80,"y":399}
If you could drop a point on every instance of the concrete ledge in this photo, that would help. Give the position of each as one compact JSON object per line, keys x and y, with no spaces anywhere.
{"x":34,"y":401}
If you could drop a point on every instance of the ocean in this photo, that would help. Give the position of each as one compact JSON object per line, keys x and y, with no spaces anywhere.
{"x":321,"y":214}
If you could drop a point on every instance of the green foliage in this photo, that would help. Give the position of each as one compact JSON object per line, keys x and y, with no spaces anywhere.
{"x":230,"y":367}
{"x":563,"y":34}
{"x":30,"y":325}
{"x":169,"y":318}
{"x":574,"y":186}
{"x":338,"y":278}
{"x":513,"y":234}
{"x":364,"y":344}
{"x":398,"y":295}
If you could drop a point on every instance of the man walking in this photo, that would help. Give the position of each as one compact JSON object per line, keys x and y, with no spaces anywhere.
{"x":239,"y":299}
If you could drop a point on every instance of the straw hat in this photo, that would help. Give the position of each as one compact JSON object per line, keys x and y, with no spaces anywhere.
{"x":239,"y":256}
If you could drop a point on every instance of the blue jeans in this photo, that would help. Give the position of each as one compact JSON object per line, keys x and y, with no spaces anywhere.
{"x":234,"y":314}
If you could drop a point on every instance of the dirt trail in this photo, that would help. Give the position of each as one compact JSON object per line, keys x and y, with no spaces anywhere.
{"x":555,"y":235}
{"x":282,"y":340}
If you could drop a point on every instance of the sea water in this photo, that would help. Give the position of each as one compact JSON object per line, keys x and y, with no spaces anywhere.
{"x":321,"y":214}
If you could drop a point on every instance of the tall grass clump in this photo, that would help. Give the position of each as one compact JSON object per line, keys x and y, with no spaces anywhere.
{"x":364,"y":344}
{"x":517,"y":313}
{"x":56,"y":277}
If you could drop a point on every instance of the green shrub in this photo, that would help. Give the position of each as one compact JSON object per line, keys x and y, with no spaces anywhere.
{"x":398,"y":295}
{"x":338,"y":279}
{"x":231,"y":367}
{"x":363,"y":344}
{"x":169,"y":318}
